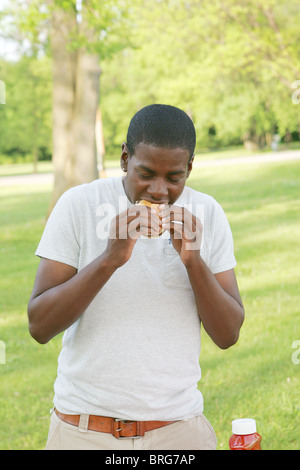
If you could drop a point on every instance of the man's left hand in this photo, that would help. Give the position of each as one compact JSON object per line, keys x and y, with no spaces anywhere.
{"x":186,"y":232}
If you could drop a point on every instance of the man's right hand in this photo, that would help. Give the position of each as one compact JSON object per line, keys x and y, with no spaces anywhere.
{"x":126,"y":228}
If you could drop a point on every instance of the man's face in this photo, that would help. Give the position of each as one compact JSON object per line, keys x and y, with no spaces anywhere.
{"x":157,"y":175}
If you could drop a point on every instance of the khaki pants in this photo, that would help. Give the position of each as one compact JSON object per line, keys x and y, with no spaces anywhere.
{"x":192,"y":434}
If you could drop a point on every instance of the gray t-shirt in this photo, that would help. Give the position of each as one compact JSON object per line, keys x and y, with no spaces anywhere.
{"x":134,"y":353}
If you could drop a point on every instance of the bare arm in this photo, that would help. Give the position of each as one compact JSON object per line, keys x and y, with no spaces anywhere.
{"x":217,"y":297}
{"x":218,"y":303}
{"x":61,"y":294}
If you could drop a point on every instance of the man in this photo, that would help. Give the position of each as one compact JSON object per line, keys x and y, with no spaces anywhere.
{"x":131,"y":306}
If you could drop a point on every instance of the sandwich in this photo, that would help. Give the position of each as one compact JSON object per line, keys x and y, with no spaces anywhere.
{"x":143,"y":202}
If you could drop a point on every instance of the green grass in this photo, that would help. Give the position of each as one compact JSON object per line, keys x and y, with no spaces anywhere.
{"x":25,"y":379}
{"x":255,"y":378}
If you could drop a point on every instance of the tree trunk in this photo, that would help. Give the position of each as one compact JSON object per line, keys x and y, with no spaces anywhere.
{"x":75,"y":100}
{"x":64,"y":67}
{"x":100,"y":145}
{"x":84,"y":119}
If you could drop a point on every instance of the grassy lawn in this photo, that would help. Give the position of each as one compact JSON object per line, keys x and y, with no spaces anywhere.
{"x":24,"y":168}
{"x":255,"y":378}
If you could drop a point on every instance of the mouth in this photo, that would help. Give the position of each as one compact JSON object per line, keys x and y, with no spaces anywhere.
{"x":153,"y":202}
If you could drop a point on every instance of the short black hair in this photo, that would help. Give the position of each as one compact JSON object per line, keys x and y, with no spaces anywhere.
{"x":161,"y":125}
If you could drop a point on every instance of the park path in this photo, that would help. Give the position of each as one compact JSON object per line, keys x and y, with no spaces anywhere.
{"x":47,"y":178}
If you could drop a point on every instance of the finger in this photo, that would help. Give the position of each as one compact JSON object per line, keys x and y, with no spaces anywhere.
{"x":180,"y":232}
{"x":175,"y":213}
{"x":170,"y":209}
{"x":176,"y":230}
{"x":136,"y":230}
{"x":125,"y":224}
{"x":187,"y":218}
{"x":146,"y":214}
{"x":170,"y":214}
{"x":141,"y":226}
{"x":150,"y":223}
{"x":180,"y":216}
{"x":150,"y":232}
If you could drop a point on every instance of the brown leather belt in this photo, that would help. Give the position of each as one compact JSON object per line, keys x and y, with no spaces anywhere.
{"x":120,"y":429}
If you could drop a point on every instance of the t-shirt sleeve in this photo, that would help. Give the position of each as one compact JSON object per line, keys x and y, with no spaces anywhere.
{"x":222,"y":256}
{"x":59,"y":241}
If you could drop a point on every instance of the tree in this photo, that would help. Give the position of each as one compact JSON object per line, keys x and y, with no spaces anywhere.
{"x":25,"y":120}
{"x":76,"y":48}
{"x":76,"y":34}
{"x":228,"y":63}
{"x":75,"y":101}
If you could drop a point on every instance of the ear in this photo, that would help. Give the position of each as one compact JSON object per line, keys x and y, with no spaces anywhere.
{"x":124,"y":157}
{"x":190,"y":166}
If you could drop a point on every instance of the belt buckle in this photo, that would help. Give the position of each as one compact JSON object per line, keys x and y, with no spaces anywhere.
{"x":116,"y":429}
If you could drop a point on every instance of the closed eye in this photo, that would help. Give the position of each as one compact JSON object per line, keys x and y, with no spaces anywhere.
{"x":174,"y":180}
{"x":145,"y":177}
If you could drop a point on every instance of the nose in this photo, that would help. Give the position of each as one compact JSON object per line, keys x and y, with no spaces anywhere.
{"x":158,"y":190}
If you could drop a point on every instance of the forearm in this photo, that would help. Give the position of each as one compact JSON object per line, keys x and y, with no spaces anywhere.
{"x":220,"y":313}
{"x":54,"y":310}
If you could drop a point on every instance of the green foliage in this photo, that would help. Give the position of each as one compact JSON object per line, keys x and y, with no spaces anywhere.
{"x":102,"y":27}
{"x":25,"y":119}
{"x":229,"y":64}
